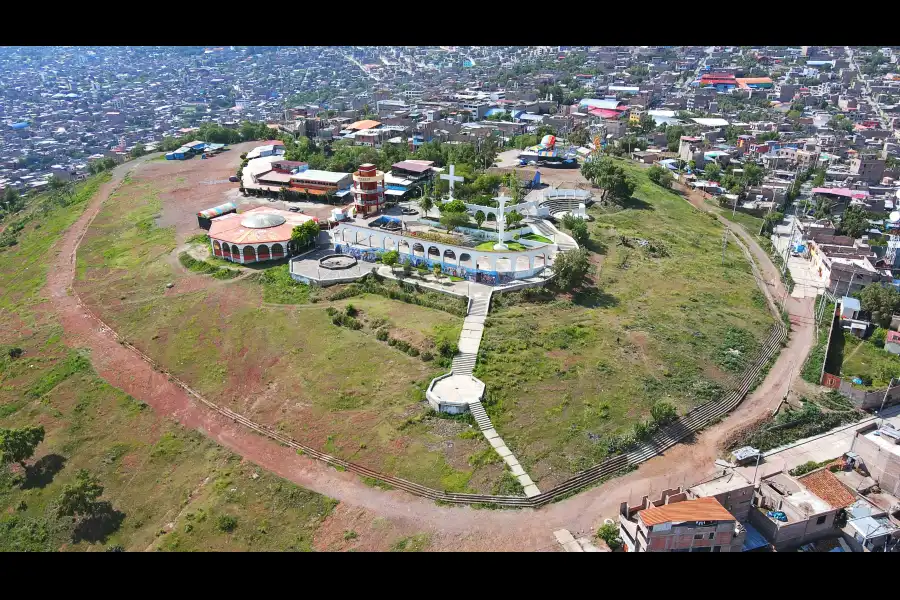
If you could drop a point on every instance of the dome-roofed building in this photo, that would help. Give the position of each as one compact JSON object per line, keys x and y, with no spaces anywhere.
{"x":259,"y":234}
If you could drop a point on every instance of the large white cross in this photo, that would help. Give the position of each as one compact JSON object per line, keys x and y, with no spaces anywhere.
{"x":452,"y":178}
{"x":501,"y":224}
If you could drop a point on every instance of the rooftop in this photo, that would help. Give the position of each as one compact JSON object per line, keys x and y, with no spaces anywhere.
{"x":826,"y":486}
{"x":317,"y":175}
{"x":259,"y":225}
{"x":724,"y":483}
{"x":701,"y":509}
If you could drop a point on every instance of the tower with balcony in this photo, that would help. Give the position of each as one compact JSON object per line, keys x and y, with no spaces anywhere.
{"x":368,"y":189}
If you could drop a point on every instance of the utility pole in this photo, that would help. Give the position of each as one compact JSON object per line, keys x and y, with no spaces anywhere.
{"x":883,"y":400}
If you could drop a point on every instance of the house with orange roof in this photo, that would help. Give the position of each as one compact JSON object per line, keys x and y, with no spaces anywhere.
{"x":675,"y":523}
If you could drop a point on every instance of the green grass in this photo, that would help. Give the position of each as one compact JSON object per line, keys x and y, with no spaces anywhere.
{"x":205,"y":268}
{"x":286,"y":365}
{"x":170,"y":484}
{"x":489,"y":247}
{"x":870,"y":363}
{"x":415,"y":543}
{"x":537,"y":238}
{"x":568,"y":377}
{"x":279,"y":288}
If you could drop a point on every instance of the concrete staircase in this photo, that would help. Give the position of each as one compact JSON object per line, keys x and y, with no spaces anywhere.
{"x":463,"y":363}
{"x":480,"y":305}
{"x":563,"y":241}
{"x":481,"y":417}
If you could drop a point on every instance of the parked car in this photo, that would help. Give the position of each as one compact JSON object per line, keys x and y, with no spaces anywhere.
{"x":234,"y":179}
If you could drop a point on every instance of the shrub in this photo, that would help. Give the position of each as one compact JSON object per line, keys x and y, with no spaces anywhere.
{"x":331,"y":311}
{"x":412,"y":351}
{"x":878,"y":337}
{"x":15,"y":352}
{"x":226,"y":523}
{"x":381,"y":335}
{"x":351,"y":311}
{"x":392,"y":342}
{"x":609,"y":533}
{"x":427,"y":356}
{"x":663,"y":412}
{"x":804,"y":468}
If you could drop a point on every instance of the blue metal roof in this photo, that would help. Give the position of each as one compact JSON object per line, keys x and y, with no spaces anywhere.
{"x":754,"y":539}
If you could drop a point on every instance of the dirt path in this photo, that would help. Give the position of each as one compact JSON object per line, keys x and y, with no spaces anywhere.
{"x":451,"y":528}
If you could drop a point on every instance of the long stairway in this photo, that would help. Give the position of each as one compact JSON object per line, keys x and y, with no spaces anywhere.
{"x":481,"y":417}
{"x":563,"y":241}
{"x":464,"y":364}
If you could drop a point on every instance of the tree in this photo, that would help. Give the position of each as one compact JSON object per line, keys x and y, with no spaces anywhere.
{"x":12,"y":201}
{"x":437,"y":271}
{"x":304,"y":234}
{"x":79,"y":498}
{"x":712,"y":171}
{"x":451,"y":220}
{"x":881,"y":301}
{"x":18,"y":445}
{"x":480,"y":217}
{"x":661,"y":176}
{"x":513,"y":218}
{"x":821,"y":207}
{"x":426,"y":203}
{"x":579,"y":136}
{"x":646,"y":123}
{"x":604,"y":173}
{"x":138,"y":150}
{"x":390,"y":258}
{"x":454,"y":206}
{"x":579,"y":230}
{"x":819,"y":179}
{"x":771,"y":219}
{"x":854,"y":222}
{"x":515,"y":187}
{"x":570,"y":268}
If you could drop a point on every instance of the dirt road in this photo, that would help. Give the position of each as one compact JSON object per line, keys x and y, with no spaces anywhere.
{"x":451,"y":528}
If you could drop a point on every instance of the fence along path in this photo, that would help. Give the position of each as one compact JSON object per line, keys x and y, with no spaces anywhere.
{"x":661,"y":440}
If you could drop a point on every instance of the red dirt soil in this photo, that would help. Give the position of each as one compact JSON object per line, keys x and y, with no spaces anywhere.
{"x":451,"y":528}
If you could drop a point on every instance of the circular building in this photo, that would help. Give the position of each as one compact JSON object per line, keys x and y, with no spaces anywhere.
{"x":260,"y":234}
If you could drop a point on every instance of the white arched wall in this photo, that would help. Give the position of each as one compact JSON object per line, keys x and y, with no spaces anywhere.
{"x":515,"y":262}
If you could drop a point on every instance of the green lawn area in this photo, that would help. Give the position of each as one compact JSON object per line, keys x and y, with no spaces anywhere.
{"x":489,"y":247}
{"x":153,"y":471}
{"x":867,"y":361}
{"x":266,"y":347}
{"x":566,"y":377}
{"x":534,"y":237}
{"x":749,"y":222}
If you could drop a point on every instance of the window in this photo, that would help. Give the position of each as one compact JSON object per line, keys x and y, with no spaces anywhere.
{"x":712,"y":536}
{"x":698,"y":536}
{"x":717,"y":548}
{"x":820,"y":520}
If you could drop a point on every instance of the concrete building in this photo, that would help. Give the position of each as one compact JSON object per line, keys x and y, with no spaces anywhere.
{"x":879,"y":451}
{"x":789,"y":514}
{"x":676,"y":524}
{"x":321,"y":183}
{"x":870,"y":170}
{"x":368,"y":189}
{"x":731,"y":489}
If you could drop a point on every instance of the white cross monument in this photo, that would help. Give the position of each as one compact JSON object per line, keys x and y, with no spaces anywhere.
{"x":501,"y":223}
{"x":452,"y":178}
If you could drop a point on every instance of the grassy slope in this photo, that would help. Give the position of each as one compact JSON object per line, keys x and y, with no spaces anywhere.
{"x":331,"y":387}
{"x":566,"y":375}
{"x":153,"y":471}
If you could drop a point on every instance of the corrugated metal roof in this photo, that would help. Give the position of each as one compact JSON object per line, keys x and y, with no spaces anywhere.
{"x":701,"y":509}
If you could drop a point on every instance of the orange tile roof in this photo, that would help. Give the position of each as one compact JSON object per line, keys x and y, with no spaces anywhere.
{"x":701,"y":509}
{"x":826,"y":486}
{"x":366,"y":124}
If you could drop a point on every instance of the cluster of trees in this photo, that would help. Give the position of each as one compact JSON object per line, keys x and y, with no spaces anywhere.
{"x":102,"y":164}
{"x":214,"y":133}
{"x":577,"y":227}
{"x":881,"y":301}
{"x":616,"y":186}
{"x":854,"y":222}
{"x":841,"y":123}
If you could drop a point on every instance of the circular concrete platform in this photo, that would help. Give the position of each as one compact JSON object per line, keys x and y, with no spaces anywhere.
{"x":453,"y":393}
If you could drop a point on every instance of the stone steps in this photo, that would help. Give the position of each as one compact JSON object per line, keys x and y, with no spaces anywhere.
{"x":463,"y":364}
{"x":481,"y":417}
